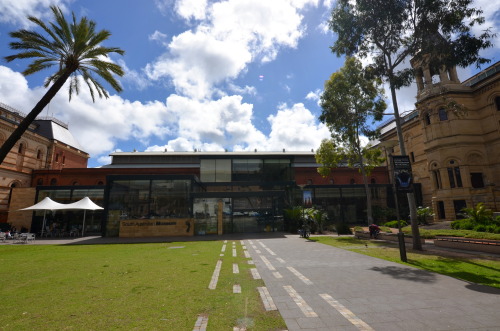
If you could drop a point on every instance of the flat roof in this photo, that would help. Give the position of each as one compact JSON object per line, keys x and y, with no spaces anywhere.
{"x":197,"y":153}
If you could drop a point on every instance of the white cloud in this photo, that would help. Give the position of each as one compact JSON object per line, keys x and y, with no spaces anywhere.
{"x":491,"y":13}
{"x":233,"y":34}
{"x":158,"y":37}
{"x":134,"y":78}
{"x":250,"y":90}
{"x":314,"y":95}
{"x":295,"y":128}
{"x":16,"y":11}
{"x":97,"y":126}
{"x":191,"y":9}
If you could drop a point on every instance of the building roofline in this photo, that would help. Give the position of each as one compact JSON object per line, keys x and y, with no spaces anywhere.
{"x":199,"y":153}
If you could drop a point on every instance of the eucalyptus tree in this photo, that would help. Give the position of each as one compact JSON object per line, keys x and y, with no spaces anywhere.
{"x":349,"y":100}
{"x":390,"y":31}
{"x":74,"y":49}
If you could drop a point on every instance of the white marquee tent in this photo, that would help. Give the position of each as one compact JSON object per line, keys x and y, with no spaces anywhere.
{"x":49,"y":204}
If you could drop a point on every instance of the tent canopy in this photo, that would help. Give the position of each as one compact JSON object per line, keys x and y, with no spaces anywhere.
{"x":46,"y":204}
{"x":49,"y":204}
{"x":85,"y":203}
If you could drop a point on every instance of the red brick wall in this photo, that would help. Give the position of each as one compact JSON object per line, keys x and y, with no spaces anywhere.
{"x":67,"y":158}
{"x":92,"y":176}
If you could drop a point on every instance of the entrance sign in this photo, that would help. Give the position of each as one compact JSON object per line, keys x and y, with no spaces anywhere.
{"x":402,"y":173}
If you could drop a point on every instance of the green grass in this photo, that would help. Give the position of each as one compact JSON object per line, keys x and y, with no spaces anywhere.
{"x":476,"y":270}
{"x":128,"y":287}
{"x":431,"y":234}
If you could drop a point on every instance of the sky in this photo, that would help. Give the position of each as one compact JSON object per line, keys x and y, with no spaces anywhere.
{"x":209,"y":75}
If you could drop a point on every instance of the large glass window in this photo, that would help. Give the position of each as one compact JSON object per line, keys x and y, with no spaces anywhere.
{"x":246,"y":170}
{"x":147,"y":199}
{"x":276,"y":170}
{"x":215,"y":170}
{"x":207,"y":170}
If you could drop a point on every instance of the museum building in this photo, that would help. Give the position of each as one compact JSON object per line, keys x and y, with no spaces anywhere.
{"x":200,"y":193}
{"x":453,"y":139}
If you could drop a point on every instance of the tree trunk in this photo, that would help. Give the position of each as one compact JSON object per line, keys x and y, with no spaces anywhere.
{"x":25,"y":123}
{"x":369,"y":212}
{"x":417,"y":245}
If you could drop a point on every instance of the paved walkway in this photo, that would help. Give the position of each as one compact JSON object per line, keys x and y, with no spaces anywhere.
{"x":319,"y":287}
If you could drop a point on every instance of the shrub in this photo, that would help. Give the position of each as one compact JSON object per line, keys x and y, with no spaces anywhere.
{"x":423,"y":213}
{"x":480,"y":228}
{"x":343,"y":228}
{"x":465,"y":224}
{"x":479,"y":214}
{"x":394,"y":224}
{"x":493,"y":228}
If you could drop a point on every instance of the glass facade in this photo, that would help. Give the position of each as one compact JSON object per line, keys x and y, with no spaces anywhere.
{"x":245,"y":170}
{"x":146,"y":198}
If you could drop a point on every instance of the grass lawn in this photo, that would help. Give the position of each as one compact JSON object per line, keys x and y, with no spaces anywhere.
{"x":128,"y":287}
{"x":476,"y":270}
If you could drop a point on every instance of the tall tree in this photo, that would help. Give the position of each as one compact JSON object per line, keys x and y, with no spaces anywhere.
{"x":349,"y":100}
{"x":392,"y":30}
{"x":75,"y":49}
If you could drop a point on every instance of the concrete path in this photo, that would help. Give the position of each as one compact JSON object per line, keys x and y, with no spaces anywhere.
{"x":319,"y":287}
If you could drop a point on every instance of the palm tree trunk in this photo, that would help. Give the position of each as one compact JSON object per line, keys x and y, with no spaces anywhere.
{"x":25,"y":123}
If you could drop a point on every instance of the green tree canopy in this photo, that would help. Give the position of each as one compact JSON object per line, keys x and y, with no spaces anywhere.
{"x":390,"y":31}
{"x":75,"y":49}
{"x":350,"y":99}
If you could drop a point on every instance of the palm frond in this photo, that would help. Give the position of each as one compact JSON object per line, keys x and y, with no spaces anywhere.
{"x":75,"y":46}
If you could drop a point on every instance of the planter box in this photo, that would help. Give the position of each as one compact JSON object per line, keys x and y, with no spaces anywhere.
{"x":384,"y":236}
{"x":479,"y":245}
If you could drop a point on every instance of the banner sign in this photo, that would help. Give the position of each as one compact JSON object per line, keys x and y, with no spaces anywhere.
{"x":402,"y":173}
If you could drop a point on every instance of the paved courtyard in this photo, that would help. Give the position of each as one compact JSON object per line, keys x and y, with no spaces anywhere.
{"x":319,"y":287}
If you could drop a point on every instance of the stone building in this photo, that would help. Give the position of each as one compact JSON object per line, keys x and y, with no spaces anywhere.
{"x":47,"y":144}
{"x":453,"y":139}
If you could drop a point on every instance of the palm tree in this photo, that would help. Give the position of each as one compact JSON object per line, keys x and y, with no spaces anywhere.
{"x":76,"y":49}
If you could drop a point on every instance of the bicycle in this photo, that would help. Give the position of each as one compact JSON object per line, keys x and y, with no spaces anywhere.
{"x":305,"y":232}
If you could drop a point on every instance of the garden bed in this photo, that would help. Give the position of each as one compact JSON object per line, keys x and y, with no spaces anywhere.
{"x":480,"y":245}
{"x":384,"y":236}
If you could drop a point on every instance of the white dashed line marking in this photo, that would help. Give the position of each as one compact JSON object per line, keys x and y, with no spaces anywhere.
{"x":346,"y":313}
{"x":306,"y":309}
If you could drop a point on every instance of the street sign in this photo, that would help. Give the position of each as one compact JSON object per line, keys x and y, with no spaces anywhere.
{"x":402,"y":173}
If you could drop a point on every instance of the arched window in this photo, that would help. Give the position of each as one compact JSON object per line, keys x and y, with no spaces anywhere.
{"x":332,"y":181}
{"x":39,"y":154}
{"x":39,"y":181}
{"x":443,"y":115}
{"x":454,"y":174}
{"x":21,"y":148}
{"x":100,"y":182}
{"x":497,"y":103}
{"x":353,"y":181}
{"x":75,"y":183}
{"x":57,"y":157}
{"x":427,"y":118}
{"x":373,"y":181}
{"x":53,"y":182}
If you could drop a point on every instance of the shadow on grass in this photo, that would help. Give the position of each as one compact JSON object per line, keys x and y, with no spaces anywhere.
{"x":415,"y":275}
{"x":483,"y":288}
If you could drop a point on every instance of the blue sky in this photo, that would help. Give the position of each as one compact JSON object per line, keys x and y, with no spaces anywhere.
{"x":210,"y":75}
